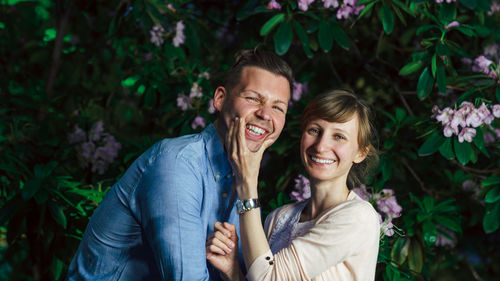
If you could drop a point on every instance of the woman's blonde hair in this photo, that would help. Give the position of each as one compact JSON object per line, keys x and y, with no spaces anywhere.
{"x":339,"y":106}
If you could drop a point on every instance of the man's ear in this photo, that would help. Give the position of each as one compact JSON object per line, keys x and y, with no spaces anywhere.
{"x":219,"y":97}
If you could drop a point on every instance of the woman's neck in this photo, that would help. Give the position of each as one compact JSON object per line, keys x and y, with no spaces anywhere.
{"x":324,"y":195}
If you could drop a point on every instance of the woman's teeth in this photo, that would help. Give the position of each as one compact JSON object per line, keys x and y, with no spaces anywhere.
{"x":322,"y":161}
{"x":255,"y":130}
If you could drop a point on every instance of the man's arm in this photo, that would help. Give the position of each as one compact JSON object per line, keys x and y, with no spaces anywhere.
{"x":169,"y":204}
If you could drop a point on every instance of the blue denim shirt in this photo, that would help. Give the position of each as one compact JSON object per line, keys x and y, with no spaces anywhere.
{"x":153,"y":223}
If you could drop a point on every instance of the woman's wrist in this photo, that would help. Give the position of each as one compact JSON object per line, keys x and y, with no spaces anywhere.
{"x":247,"y":190}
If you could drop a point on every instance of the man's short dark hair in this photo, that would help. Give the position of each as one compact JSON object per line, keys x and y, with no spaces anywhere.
{"x":259,"y":58}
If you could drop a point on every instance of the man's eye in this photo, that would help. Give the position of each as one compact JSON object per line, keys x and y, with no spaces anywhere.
{"x":313,"y":131}
{"x":252,"y":99}
{"x":279,"y":108}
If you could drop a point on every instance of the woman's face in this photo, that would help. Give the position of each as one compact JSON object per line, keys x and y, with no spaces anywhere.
{"x":329,"y":149}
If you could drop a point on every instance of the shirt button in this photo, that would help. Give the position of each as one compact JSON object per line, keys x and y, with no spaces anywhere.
{"x":228,"y":175}
{"x":224,"y":194}
{"x":217,"y":176}
{"x":268,"y":258}
{"x":271,"y":263}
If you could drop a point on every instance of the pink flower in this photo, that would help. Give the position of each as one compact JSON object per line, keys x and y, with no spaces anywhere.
{"x":183,"y":102}
{"x":304,"y":4}
{"x":474,"y":119}
{"x":302,"y":189}
{"x":458,"y":120}
{"x":330,"y":3}
{"x":448,"y":131}
{"x":497,"y":132}
{"x":157,"y":35}
{"x":179,"y":34}
{"x":273,"y":5}
{"x":467,"y":134}
{"x":96,"y":131}
{"x":452,"y":24}
{"x":211,"y":108}
{"x":386,"y":227}
{"x":198,"y":122}
{"x":298,"y":90}
{"x":496,"y":110}
{"x":488,"y":138}
{"x":196,"y":91}
{"x":467,"y":107}
{"x":485,"y":114}
{"x":77,"y":136}
{"x":492,"y":50}
{"x":362,"y":192}
{"x":389,"y":205}
{"x":482,"y":64}
{"x":445,"y":115}
{"x":495,"y":7}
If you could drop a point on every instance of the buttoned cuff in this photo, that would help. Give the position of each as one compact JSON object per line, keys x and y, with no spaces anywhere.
{"x":260,"y":265}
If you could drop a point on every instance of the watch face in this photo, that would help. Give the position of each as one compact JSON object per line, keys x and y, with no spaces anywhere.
{"x":248,"y":204}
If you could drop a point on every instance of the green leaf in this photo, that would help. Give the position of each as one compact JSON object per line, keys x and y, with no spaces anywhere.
{"x":491,"y":220}
{"x":57,"y":268}
{"x":340,"y":36}
{"x":400,"y":114}
{"x":493,"y":195}
{"x":431,"y":145}
{"x":497,"y":94}
{"x":389,"y":143}
{"x":441,"y":49}
{"x":325,"y":36}
{"x":446,"y":149}
{"x":479,"y":141}
{"x":425,"y":83}
{"x":467,"y":31}
{"x":441,"y":79}
{"x":447,"y":13}
{"x":57,"y":214}
{"x":428,"y":203}
{"x":399,"y":251}
{"x":150,"y":98}
{"x":30,"y":188}
{"x":430,"y":232}
{"x":471,"y":4}
{"x":271,"y":23}
{"x":449,"y":223}
{"x":490,"y":181}
{"x":299,"y":30}
{"x":463,"y":151}
{"x":367,"y":9}
{"x":283,"y":38}
{"x":415,"y":257}
{"x":410,"y":68}
{"x":387,"y":19}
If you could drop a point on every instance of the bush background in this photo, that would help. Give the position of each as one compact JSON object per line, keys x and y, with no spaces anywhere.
{"x":66,"y":64}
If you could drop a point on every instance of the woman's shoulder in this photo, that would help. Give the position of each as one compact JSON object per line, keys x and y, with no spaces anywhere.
{"x":353,"y":208}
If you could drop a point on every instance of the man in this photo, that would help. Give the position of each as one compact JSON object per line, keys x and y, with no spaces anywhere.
{"x":153,"y":223}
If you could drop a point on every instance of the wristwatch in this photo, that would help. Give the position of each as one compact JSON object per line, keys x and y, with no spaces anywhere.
{"x":243,"y":206}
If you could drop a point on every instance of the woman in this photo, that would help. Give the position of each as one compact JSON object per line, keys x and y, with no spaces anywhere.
{"x":332,"y":236}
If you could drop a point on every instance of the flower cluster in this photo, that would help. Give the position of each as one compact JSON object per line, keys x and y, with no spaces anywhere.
{"x":97,"y":148}
{"x":302,"y":189}
{"x":447,"y":1}
{"x":495,"y":7}
{"x":198,"y":122}
{"x":184,"y":102}
{"x":467,"y":117}
{"x":487,"y":63}
{"x":386,"y":204}
{"x":345,"y":10}
{"x":179,"y":34}
{"x":157,"y":33}
{"x":299,"y":89}
{"x":273,"y":5}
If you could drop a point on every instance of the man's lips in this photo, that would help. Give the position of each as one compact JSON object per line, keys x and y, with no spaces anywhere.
{"x":255,"y":132}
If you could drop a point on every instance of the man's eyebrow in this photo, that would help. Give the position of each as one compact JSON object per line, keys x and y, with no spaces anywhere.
{"x":261,"y":96}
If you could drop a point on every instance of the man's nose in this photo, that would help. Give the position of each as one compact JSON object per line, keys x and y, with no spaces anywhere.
{"x":264,"y":112}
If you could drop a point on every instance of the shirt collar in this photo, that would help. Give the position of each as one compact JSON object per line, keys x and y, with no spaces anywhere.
{"x":219,"y":162}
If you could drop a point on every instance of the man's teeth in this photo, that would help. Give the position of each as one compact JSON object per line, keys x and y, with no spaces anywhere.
{"x":255,"y":130}
{"x":322,"y":161}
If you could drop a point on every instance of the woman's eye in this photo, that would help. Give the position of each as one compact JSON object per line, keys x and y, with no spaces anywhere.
{"x":339,"y":137}
{"x":313,"y":131}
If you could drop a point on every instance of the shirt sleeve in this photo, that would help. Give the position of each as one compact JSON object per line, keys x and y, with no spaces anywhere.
{"x":169,"y":204}
{"x":345,"y":232}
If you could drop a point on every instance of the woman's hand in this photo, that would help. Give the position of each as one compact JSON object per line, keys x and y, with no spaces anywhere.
{"x":222,"y":250}
{"x":245,"y":163}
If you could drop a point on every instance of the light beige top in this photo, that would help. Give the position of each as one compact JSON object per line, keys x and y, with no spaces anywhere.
{"x":342,"y":244}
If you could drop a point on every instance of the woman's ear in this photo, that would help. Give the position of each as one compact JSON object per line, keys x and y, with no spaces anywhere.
{"x":362,"y":153}
{"x":219,"y":97}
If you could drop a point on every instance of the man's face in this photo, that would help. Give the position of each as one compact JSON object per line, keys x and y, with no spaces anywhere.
{"x":260,"y":100}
